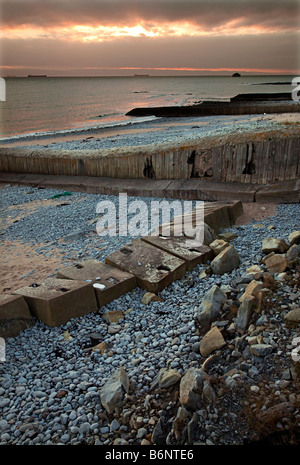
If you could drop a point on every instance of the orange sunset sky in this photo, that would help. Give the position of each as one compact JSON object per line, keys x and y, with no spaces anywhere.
{"x":157,"y":37}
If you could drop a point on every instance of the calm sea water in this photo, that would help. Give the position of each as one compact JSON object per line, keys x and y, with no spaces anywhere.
{"x":57,"y":105}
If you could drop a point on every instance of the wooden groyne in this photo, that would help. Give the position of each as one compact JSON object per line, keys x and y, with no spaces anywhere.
{"x":260,"y":158}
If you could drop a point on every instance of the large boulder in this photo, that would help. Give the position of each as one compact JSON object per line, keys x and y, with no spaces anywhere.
{"x":210,"y":306}
{"x":226,"y":261}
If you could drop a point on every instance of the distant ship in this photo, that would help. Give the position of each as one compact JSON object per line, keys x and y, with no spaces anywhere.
{"x":37,"y":75}
{"x":141,"y":75}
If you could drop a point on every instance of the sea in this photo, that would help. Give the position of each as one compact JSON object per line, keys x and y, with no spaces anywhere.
{"x":45,"y":106}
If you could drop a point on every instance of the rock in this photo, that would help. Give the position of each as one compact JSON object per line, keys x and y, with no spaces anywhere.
{"x":292,"y":318}
{"x":210,"y":362}
{"x":218,"y":245}
{"x":203,"y":274}
{"x":113,"y":392}
{"x":101,"y":347}
{"x":169,"y":378}
{"x":211,"y":305}
{"x":113,"y":316}
{"x":226,"y":261}
{"x":271,"y":244}
{"x":192,"y":428}
{"x":277,"y":263}
{"x":244,"y":313}
{"x":293,"y":255}
{"x":141,"y":433}
{"x":180,"y":424}
{"x":145,"y":442}
{"x":114,"y":426}
{"x":294,"y":237}
{"x":74,"y":236}
{"x":160,"y":432}
{"x":209,"y":394}
{"x":166,"y":378}
{"x":282,"y":277}
{"x":263,"y":260}
{"x":121,"y":442}
{"x":253,"y":289}
{"x":190,"y":389}
{"x":114,"y":328}
{"x":261,"y":350}
{"x":254,"y":269}
{"x":150,"y":297}
{"x":212,"y":341}
{"x":227,"y":236}
{"x":209,"y":234}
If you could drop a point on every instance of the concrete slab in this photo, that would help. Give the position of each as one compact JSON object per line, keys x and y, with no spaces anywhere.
{"x":55,"y":301}
{"x":216,"y":216}
{"x":280,"y":192}
{"x":183,"y":248}
{"x":110,"y":282}
{"x":14,"y":315}
{"x":154,"y":268}
{"x":11,"y":178}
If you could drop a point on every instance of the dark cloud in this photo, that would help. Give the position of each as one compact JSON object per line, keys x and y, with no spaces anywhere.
{"x":283,"y":14}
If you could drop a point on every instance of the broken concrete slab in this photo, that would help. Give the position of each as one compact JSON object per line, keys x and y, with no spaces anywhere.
{"x":217,"y":215}
{"x":154,"y":268}
{"x":14,"y":315}
{"x":55,"y":301}
{"x":109,"y":282}
{"x":184,"y":248}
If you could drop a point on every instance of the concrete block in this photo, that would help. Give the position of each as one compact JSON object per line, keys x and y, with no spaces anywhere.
{"x":110,"y":282}
{"x":14,"y":315}
{"x":154,"y":268}
{"x":55,"y":301}
{"x":216,"y":216}
{"x":183,"y":248}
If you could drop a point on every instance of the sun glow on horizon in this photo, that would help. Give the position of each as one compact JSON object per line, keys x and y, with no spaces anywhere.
{"x":100,"y":33}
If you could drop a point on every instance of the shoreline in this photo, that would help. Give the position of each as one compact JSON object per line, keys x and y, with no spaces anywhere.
{"x":161,"y":131}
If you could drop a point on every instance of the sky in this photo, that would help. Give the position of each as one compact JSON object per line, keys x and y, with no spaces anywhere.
{"x":156,"y":37}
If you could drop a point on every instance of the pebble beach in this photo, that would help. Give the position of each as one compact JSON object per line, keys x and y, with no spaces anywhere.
{"x":52,"y":378}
